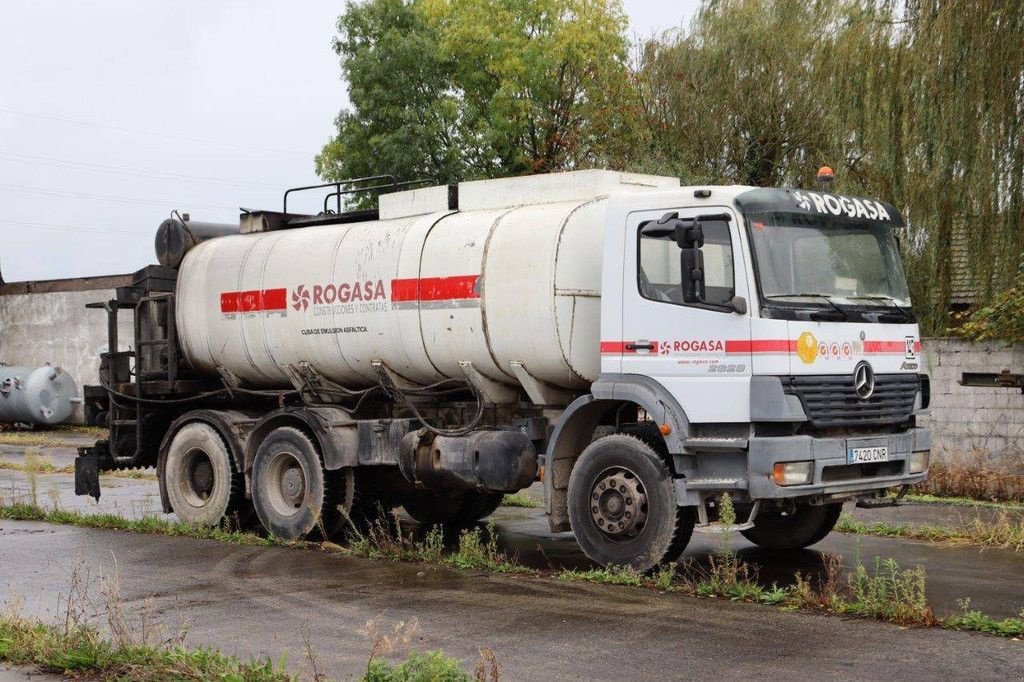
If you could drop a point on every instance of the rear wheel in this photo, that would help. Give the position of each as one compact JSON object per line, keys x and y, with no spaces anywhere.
{"x":622,"y":505}
{"x":198,"y":477}
{"x":803,"y":527}
{"x":289,"y":485}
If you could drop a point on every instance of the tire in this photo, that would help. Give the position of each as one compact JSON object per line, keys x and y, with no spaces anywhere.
{"x":201,"y":485}
{"x":619,"y":479}
{"x":289,"y":486}
{"x":456,"y":510}
{"x":805,"y":527}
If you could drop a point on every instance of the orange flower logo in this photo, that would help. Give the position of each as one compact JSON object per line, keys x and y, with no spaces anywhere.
{"x":807,"y":347}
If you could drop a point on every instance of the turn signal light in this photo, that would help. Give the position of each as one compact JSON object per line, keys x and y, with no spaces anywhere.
{"x":919,"y":462}
{"x":665,"y":429}
{"x":792,"y":473}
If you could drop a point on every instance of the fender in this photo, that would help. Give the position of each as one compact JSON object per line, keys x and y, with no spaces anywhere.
{"x":230,"y":425}
{"x":338,"y":446}
{"x":576,"y":426}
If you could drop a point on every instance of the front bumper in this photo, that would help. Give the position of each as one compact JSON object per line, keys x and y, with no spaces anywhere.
{"x":832,"y":475}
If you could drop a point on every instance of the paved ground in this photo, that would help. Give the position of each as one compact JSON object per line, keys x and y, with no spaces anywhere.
{"x":266,"y":600}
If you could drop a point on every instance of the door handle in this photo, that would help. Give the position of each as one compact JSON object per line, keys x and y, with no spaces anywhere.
{"x":640,"y":345}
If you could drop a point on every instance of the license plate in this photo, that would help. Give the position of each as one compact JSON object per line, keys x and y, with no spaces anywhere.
{"x":867,"y":455}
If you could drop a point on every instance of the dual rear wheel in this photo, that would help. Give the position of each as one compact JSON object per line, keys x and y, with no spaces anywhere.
{"x":292,"y":494}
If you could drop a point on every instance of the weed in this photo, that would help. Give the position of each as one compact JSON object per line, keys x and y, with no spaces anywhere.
{"x":609,"y":575}
{"x":969,"y":619}
{"x":888,"y":593}
{"x":520,"y":500}
{"x":476,"y":552}
{"x":664,"y":577}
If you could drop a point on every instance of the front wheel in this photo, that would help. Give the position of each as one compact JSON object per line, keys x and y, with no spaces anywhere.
{"x":622,"y":505}
{"x":805,"y":526}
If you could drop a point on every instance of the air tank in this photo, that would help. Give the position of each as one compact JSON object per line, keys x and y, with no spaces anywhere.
{"x":36,"y":395}
{"x":177,"y":236}
{"x":507,"y":287}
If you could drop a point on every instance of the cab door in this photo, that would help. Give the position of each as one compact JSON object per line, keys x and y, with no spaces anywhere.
{"x":698,"y":350}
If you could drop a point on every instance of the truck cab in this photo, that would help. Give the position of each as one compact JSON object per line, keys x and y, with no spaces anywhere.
{"x":766,"y":340}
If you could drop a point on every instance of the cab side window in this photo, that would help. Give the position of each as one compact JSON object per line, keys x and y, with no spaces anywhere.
{"x":660,"y":277}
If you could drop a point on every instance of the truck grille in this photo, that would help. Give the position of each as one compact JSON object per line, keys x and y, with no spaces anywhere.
{"x":831,"y":401}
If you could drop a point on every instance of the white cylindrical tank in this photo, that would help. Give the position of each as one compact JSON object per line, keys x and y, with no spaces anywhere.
{"x":36,"y":395}
{"x":420,"y":293}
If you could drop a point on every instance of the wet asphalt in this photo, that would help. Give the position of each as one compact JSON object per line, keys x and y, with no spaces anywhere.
{"x":262,"y":601}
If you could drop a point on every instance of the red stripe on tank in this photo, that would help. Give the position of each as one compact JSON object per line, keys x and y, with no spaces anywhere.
{"x":434,"y":288}
{"x":255,"y":300}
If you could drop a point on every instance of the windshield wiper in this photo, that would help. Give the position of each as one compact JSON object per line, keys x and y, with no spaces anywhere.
{"x":823,"y":297}
{"x":887,"y":299}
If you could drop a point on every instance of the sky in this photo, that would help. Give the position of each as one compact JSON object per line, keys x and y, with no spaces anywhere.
{"x":115,"y":112}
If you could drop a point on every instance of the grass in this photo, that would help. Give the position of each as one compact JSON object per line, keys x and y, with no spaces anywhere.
{"x":40,"y":464}
{"x":28,"y":511}
{"x":520,"y":500}
{"x":80,"y":651}
{"x":609,"y":575}
{"x":1005,"y":532}
{"x":923,"y":498}
{"x":59,"y":437}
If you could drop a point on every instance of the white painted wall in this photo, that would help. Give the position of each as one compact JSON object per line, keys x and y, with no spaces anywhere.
{"x":967,"y":419}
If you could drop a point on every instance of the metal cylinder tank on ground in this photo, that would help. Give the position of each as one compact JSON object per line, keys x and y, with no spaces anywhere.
{"x":424,"y":294}
{"x":36,"y":395}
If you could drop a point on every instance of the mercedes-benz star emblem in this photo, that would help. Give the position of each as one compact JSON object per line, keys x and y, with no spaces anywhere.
{"x":863,"y":380}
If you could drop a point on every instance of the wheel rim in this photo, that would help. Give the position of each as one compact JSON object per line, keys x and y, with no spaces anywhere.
{"x":196,"y":478}
{"x":618,"y":504}
{"x":286,"y":484}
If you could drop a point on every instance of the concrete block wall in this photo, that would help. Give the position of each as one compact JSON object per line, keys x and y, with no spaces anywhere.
{"x":44,"y":324}
{"x":969,"y":419}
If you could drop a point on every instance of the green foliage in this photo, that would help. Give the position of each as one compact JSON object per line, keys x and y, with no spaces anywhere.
{"x":976,"y":621}
{"x":914,"y":102}
{"x":433,"y":666}
{"x":520,"y":500}
{"x":609,"y":575}
{"x":478,"y":88}
{"x":1000,"y":320}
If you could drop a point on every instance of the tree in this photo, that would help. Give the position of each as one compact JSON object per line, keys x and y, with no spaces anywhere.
{"x":451,"y":90}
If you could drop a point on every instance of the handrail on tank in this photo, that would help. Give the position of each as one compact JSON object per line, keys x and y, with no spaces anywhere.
{"x":338,"y":191}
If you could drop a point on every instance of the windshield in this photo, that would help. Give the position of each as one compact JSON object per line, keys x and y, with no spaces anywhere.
{"x":826,"y":260}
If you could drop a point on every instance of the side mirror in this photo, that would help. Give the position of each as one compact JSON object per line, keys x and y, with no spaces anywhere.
{"x":691,"y":265}
{"x":689,"y":236}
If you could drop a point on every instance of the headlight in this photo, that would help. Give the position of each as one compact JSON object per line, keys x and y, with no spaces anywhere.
{"x":919,"y":462}
{"x":792,"y":473}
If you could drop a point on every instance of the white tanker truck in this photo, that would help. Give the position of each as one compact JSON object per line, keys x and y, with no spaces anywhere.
{"x":640,"y":347}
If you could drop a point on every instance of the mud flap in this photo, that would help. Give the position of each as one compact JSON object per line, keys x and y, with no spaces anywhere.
{"x":87,"y":474}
